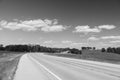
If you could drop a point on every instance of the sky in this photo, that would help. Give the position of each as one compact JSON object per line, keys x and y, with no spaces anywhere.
{"x":60,"y":23}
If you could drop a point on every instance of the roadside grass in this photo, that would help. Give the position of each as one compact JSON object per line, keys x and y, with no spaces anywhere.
{"x":97,"y":55}
{"x":94,"y":55}
{"x":8,"y":64}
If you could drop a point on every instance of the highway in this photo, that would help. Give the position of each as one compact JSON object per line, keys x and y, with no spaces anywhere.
{"x":38,"y":66}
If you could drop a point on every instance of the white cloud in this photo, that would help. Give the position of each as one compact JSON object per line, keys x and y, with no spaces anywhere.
{"x":96,"y":29}
{"x":93,"y":38}
{"x":54,"y":28}
{"x":16,"y":25}
{"x":67,"y":42}
{"x":48,"y":42}
{"x":110,"y":37}
{"x":33,"y":25}
{"x":86,"y":29}
{"x":116,"y":41}
{"x":108,"y":27}
{"x":54,"y":21}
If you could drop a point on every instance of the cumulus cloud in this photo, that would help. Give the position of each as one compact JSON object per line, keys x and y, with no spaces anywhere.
{"x":86,"y":29}
{"x":96,"y":29}
{"x":24,"y":25}
{"x":93,"y":38}
{"x":54,"y":28}
{"x":108,"y":27}
{"x":110,"y":37}
{"x":33,"y":25}
{"x":55,"y":21}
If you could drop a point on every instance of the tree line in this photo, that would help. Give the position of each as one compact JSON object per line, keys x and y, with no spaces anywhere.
{"x":111,"y":50}
{"x":88,"y":48}
{"x":37,"y":48}
{"x":108,"y":50}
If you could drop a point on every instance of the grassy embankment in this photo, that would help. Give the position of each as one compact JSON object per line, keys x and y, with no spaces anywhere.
{"x":94,"y":55}
{"x":8,"y":64}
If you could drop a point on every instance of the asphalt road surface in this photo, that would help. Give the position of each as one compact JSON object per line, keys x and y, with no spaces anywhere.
{"x":38,"y":66}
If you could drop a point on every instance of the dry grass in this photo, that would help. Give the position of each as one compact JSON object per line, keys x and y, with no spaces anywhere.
{"x":8,"y":65}
{"x":101,"y":56}
{"x":94,"y":55}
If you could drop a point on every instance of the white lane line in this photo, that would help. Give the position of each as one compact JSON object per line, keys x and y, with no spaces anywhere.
{"x":46,"y":68}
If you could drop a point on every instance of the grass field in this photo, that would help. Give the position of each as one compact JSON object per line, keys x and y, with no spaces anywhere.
{"x":94,"y":55}
{"x":8,"y":64}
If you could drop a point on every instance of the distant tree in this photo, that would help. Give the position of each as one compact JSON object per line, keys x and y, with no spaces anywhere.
{"x":109,"y":49}
{"x":83,"y":48}
{"x":88,"y":48}
{"x":103,"y":50}
{"x":113,"y":50}
{"x":75,"y":51}
{"x":94,"y":48}
{"x":1,"y":47}
{"x":118,"y":50}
